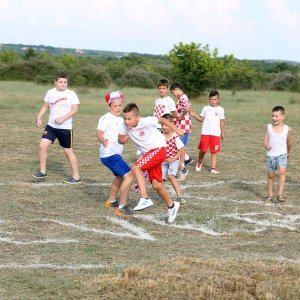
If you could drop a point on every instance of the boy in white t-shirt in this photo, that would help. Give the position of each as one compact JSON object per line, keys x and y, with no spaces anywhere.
{"x":63,"y":104}
{"x":212,"y":131}
{"x":278,"y":143}
{"x":151,"y":144}
{"x":174,"y":158}
{"x":110,"y":154}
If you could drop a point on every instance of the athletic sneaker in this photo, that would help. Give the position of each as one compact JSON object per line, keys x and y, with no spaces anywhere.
{"x":183,"y":174}
{"x":199,"y":166}
{"x":109,"y":204}
{"x":72,"y":180}
{"x":143,"y":203}
{"x":188,"y":161}
{"x":172,"y":212}
{"x":180,"y":200}
{"x":214,"y":171}
{"x":124,"y":211}
{"x":39,"y":175}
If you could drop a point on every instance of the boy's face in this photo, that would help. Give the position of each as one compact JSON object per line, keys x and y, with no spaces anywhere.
{"x":131,"y":119}
{"x":213,"y":101}
{"x":176,"y":92}
{"x":61,"y":84}
{"x":163,"y":91}
{"x":277,"y":117}
{"x":165,"y":128}
{"x":115,"y":108}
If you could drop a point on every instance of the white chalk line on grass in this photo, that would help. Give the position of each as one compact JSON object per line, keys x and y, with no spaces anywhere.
{"x":139,"y":233}
{"x":53,"y":266}
{"x":38,"y":242}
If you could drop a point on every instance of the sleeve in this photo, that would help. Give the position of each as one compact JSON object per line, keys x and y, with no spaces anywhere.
{"x":122,"y":129}
{"x":222,"y":114}
{"x":203,"y":112}
{"x":74,"y":98}
{"x":172,"y":105}
{"x":185,"y":103}
{"x":47,"y":97}
{"x":149,"y":121}
{"x":102,"y":124}
{"x":179,"y":143}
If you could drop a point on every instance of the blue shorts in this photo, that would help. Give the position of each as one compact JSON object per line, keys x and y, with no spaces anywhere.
{"x":275,"y":162}
{"x":116,"y":164}
{"x":64,"y":136}
{"x":185,"y":139}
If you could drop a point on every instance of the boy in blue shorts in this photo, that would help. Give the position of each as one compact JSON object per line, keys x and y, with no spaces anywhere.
{"x":110,"y":154}
{"x":63,"y":104}
{"x":278,"y":143}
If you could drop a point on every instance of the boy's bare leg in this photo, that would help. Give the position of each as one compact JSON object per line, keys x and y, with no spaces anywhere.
{"x":281,"y":181}
{"x":43,"y":153}
{"x":270,"y":183}
{"x":201,"y":156}
{"x":213,"y":160}
{"x":161,"y":190}
{"x":140,"y":181}
{"x":125,"y":187}
{"x":115,"y":186}
{"x":73,"y":162}
{"x":175,"y":185}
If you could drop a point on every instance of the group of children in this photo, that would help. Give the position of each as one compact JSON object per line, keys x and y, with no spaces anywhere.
{"x":160,"y":140}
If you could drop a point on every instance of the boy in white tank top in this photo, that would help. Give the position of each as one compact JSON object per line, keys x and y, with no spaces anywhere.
{"x":278,"y":144}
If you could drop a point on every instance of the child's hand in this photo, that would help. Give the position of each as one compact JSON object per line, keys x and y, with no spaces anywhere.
{"x":105,"y":143}
{"x":123,"y":139}
{"x":59,"y":120}
{"x":268,"y":148}
{"x":192,"y":113}
{"x":39,"y":123}
{"x":180,"y":133}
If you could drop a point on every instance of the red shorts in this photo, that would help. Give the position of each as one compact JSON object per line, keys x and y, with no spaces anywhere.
{"x":211,"y":141}
{"x":152,"y":162}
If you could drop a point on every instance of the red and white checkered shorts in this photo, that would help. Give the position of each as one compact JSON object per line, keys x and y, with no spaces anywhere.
{"x":152,"y":161}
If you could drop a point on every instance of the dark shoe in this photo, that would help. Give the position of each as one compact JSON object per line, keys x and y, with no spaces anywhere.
{"x":124,"y":211}
{"x":72,"y":181}
{"x":188,"y":161}
{"x":280,"y":198}
{"x":39,"y":175}
{"x":109,"y":204}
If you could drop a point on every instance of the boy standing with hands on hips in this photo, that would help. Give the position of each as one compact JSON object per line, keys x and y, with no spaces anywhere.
{"x":212,"y":131}
{"x":63,"y":104}
{"x":278,"y":143}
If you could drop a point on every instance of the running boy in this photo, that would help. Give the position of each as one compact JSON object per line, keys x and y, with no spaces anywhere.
{"x":110,"y":154}
{"x":278,"y":143}
{"x":212,"y":131}
{"x":152,"y":144}
{"x":63,"y":104}
{"x":174,"y":159}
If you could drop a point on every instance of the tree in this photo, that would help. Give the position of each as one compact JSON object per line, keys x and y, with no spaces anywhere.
{"x":196,"y":67}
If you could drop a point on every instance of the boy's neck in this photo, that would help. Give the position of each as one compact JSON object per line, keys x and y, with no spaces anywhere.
{"x":169,"y":134}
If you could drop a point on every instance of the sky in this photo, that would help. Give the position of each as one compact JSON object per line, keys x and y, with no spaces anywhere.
{"x":247,"y":29}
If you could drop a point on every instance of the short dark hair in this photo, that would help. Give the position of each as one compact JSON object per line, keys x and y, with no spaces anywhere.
{"x":175,"y":85}
{"x":279,"y":108}
{"x":163,"y":82}
{"x":131,"y":107}
{"x":61,"y":74}
{"x":168,"y":117}
{"x":213,"y":93}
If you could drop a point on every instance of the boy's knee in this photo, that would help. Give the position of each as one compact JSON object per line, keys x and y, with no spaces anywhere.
{"x":156,"y":185}
{"x":135,"y":168}
{"x":271,"y":175}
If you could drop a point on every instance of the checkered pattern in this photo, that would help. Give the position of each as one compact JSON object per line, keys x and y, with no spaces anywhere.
{"x":159,"y":110}
{"x":171,"y":147}
{"x":146,"y":158}
{"x":182,"y":104}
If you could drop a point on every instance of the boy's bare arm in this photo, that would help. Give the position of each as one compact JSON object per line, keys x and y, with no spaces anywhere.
{"x":177,"y":155}
{"x":101,"y":138}
{"x":266,"y":142}
{"x":289,"y":142}
{"x":198,"y":118}
{"x":222,"y":125}
{"x":41,"y":113}
{"x":171,"y":125}
{"x":174,"y":114}
{"x":72,"y":112}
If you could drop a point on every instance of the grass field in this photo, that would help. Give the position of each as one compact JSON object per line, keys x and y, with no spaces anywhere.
{"x":60,"y":242}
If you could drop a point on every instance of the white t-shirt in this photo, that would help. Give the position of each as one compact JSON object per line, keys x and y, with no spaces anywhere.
{"x":110,"y":126}
{"x":145,"y":135}
{"x":60,"y":103}
{"x":278,"y":141}
{"x":163,"y":106}
{"x":212,"y":116}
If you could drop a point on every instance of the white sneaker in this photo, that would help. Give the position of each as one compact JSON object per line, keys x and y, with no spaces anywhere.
{"x":172,"y":212}
{"x":143,"y":203}
{"x":214,"y":171}
{"x":199,"y":166}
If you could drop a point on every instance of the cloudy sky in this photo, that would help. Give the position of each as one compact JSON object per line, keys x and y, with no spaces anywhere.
{"x":248,"y":29}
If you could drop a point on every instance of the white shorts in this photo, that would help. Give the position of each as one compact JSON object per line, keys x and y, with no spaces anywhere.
{"x":170,"y":168}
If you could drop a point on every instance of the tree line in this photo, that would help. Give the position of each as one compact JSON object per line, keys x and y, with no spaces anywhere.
{"x":195,"y":66}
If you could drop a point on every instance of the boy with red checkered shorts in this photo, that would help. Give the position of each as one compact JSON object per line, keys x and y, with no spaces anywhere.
{"x":152,"y":145}
{"x":174,"y":158}
{"x":212,"y":131}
